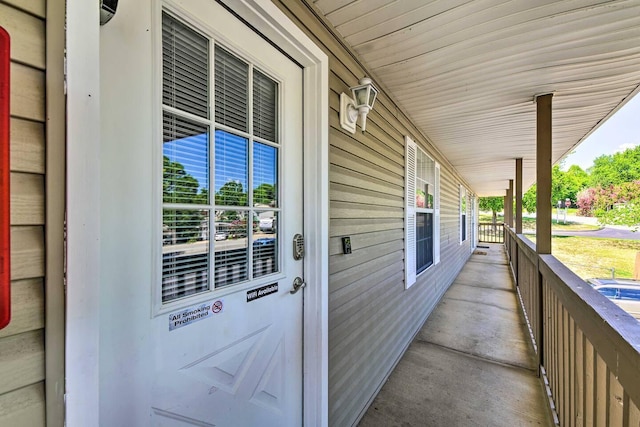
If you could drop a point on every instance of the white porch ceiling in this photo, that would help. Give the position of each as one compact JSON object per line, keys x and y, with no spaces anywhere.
{"x":466,"y":71}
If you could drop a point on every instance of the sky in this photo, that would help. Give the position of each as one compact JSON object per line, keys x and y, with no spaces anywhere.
{"x":620,"y":132}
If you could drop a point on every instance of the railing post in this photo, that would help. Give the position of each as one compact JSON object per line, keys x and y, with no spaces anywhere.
{"x":541,"y":320}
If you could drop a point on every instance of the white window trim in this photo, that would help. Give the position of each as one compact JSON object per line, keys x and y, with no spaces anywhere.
{"x":436,"y":220}
{"x":411,"y":152}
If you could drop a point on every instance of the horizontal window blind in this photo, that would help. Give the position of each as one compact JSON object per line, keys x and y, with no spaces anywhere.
{"x":185,"y":253}
{"x":231,"y":90}
{"x":265,"y":256}
{"x":265,"y":175}
{"x":231,"y":267}
{"x":264,"y":106}
{"x":216,"y":229}
{"x":232,"y":169}
{"x":185,"y":68}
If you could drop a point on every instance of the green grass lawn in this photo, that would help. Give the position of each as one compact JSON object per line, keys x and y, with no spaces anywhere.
{"x":594,"y":257}
{"x":529,"y":223}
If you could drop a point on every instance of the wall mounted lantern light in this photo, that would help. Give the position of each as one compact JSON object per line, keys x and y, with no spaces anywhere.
{"x":364,"y":96}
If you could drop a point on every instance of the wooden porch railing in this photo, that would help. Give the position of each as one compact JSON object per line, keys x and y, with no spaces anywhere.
{"x":489,"y":232}
{"x":587,"y":346}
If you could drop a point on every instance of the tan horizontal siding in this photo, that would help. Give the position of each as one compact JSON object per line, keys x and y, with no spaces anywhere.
{"x":27,"y":252}
{"x":353,"y":178}
{"x":21,"y":360}
{"x":27,"y":92}
{"x":27,"y":300}
{"x":372,"y":317}
{"x":363,"y":291}
{"x":344,"y":226}
{"x":27,"y":36}
{"x":27,"y":199}
{"x":355,"y":210}
{"x":349,"y":276}
{"x":34,"y":7}
{"x":374,"y":150}
{"x":364,"y":241}
{"x":27,"y":146}
{"x":24,"y":407}
{"x":22,"y":353}
{"x":348,"y":193}
{"x":366,"y":166}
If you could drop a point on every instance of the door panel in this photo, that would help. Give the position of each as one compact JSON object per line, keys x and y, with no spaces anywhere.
{"x":216,"y":338}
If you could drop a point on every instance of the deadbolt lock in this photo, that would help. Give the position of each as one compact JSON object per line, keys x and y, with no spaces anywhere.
{"x":298,"y":247}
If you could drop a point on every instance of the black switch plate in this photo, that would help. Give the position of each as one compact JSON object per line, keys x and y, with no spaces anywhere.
{"x":346,"y":245}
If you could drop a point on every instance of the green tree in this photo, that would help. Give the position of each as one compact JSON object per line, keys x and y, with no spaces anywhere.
{"x":264,"y":194}
{"x":576,"y":180}
{"x":558,"y":185}
{"x":616,"y":168}
{"x":178,"y":186}
{"x":231,"y":194}
{"x":493,"y":204}
{"x":564,"y":185}
{"x":529,"y":199}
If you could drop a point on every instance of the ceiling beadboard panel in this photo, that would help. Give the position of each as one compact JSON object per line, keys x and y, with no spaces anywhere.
{"x":466,"y":71}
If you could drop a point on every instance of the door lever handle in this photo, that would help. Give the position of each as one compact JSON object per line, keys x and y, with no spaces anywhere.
{"x":298,"y":284}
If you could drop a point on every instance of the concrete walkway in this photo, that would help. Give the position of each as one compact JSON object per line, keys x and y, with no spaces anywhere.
{"x":472,"y":363}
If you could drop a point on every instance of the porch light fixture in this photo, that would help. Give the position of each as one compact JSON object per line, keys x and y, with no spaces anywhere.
{"x":364,"y":96}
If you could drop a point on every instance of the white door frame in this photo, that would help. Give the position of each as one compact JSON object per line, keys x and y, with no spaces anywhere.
{"x":83,"y":205}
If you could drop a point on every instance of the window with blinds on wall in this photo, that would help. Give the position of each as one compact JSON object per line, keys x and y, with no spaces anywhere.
{"x":220,"y":192}
{"x":425,"y":199}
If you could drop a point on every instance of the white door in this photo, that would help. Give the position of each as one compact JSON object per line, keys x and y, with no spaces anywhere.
{"x":216,"y":338}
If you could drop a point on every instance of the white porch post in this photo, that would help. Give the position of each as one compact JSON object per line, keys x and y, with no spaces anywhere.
{"x":83,"y":214}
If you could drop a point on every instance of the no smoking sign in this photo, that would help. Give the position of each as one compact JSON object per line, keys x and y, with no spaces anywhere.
{"x":216,"y":307}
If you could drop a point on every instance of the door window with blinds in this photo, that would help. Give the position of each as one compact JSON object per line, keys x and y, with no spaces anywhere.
{"x":220,"y":147}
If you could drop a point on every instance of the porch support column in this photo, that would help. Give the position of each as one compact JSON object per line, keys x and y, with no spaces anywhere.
{"x":518,"y":196}
{"x":510,"y":203}
{"x":543,"y":173}
{"x":506,"y":207}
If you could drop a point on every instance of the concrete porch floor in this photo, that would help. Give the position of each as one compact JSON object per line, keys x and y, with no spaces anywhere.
{"x":472,"y":363}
